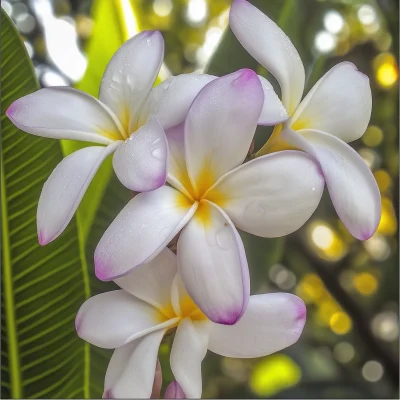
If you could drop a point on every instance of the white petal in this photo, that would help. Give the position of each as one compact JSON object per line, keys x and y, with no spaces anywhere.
{"x":130,"y":75}
{"x":271,"y":323}
{"x":220,"y":126}
{"x":352,"y":187}
{"x":174,"y":391}
{"x":112,"y":319}
{"x":177,"y":171}
{"x":151,"y":282}
{"x":339,"y":103}
{"x":65,"y":187}
{"x":130,"y":373}
{"x":141,"y":230}
{"x":271,"y":47}
{"x":272,"y":195}
{"x":187,"y":353}
{"x":65,"y":113}
{"x":170,"y":101}
{"x":273,"y":111}
{"x":140,"y":163}
{"x":213,"y":266}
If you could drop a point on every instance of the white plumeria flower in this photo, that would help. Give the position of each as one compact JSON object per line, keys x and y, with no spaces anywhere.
{"x":335,"y":111}
{"x":153,"y":301}
{"x":211,"y":193}
{"x":129,"y":119}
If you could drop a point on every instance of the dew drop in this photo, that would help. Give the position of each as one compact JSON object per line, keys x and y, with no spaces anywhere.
{"x":156,"y":141}
{"x":253,"y":211}
{"x":225,"y":238}
{"x":157,"y":153}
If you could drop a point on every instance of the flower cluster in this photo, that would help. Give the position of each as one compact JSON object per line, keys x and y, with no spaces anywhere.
{"x":183,"y":146}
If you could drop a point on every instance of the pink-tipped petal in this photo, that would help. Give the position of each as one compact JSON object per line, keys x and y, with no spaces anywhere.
{"x":213,"y":265}
{"x":220,"y":125}
{"x":351,"y":184}
{"x":65,"y":113}
{"x":270,"y":323}
{"x":140,"y":163}
{"x":174,"y":391}
{"x":141,"y":231}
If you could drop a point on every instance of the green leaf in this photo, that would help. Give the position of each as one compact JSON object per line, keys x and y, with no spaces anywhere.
{"x":42,"y":287}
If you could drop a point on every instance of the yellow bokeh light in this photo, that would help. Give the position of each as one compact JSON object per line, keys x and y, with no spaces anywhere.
{"x":274,"y":374}
{"x":386,"y":70}
{"x":326,"y":310}
{"x":340,"y":323}
{"x":365,"y":283}
{"x":373,"y":136}
{"x":388,"y":223}
{"x":310,"y":289}
{"x":383,"y":180}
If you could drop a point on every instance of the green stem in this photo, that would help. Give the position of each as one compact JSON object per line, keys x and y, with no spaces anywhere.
{"x":13,"y":350}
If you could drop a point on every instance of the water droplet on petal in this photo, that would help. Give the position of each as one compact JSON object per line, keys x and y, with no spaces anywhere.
{"x":157,"y":153}
{"x":225,"y":239}
{"x":253,"y":211}
{"x":156,"y":141}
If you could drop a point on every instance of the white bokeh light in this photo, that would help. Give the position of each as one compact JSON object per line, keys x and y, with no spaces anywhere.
{"x":196,"y":11}
{"x":325,"y":42}
{"x":333,"y":22}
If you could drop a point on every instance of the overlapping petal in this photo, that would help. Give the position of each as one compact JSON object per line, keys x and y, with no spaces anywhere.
{"x":141,"y":230}
{"x":140,"y":163}
{"x":130,"y":75}
{"x":187,"y":353}
{"x":352,"y":187}
{"x":273,"y":111}
{"x":270,"y":46}
{"x":272,"y":195}
{"x":213,"y":265}
{"x":220,"y":126}
{"x":339,"y":103}
{"x":177,"y":171}
{"x":130,"y":373}
{"x":170,"y":101}
{"x":65,"y":187}
{"x":271,"y":323}
{"x":151,"y":282}
{"x":112,"y":319}
{"x":65,"y":113}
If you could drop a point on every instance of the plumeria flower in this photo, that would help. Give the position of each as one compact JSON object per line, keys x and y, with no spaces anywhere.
{"x":153,"y":301}
{"x":210,"y":194}
{"x":128,"y":120}
{"x":335,"y":111}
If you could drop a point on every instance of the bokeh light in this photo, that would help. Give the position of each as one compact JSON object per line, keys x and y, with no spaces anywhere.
{"x":273,"y":374}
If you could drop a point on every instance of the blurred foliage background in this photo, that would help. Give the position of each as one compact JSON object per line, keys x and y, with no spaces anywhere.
{"x":349,"y":348}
